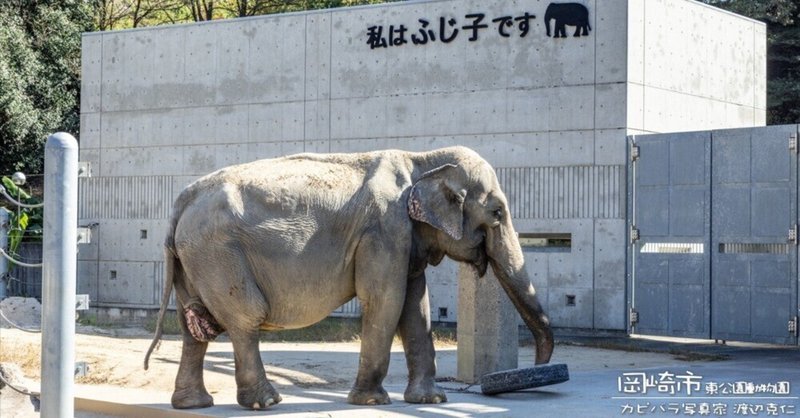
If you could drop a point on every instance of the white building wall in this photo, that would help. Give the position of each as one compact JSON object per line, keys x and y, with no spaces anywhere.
{"x":694,"y":67}
{"x":162,"y":106}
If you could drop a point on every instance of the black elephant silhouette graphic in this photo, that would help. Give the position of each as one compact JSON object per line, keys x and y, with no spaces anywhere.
{"x":572,"y":14}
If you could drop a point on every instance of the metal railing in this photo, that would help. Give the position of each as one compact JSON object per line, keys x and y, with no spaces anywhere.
{"x":18,"y":262}
{"x":4,"y":192}
{"x":8,"y":256}
{"x":25,"y":281}
{"x":18,"y":179}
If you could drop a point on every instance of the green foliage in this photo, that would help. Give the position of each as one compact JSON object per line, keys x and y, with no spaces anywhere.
{"x":170,"y":326}
{"x":14,"y":190}
{"x":777,"y":11}
{"x":123,"y":14}
{"x":18,"y":112}
{"x":24,"y":223}
{"x":40,"y":49}
{"x":18,"y":226}
{"x":783,"y":72}
{"x":260,"y":7}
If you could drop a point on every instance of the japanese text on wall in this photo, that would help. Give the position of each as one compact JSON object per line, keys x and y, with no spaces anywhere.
{"x":446,"y":30}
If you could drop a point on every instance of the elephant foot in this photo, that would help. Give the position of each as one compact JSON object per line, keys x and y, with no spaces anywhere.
{"x":369,"y":397}
{"x":258,"y":398}
{"x":424,"y":392}
{"x":191,"y":398}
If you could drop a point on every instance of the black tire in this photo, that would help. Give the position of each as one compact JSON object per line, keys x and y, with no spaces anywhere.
{"x":518,"y":379}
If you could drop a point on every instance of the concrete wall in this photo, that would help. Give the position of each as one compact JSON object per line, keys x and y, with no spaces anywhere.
{"x":694,"y":67}
{"x":162,"y":106}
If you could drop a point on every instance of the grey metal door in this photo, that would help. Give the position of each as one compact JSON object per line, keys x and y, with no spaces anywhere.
{"x":754,"y":262}
{"x":669,"y":261}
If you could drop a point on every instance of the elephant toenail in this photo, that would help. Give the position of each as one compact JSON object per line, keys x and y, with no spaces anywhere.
{"x":256,"y":405}
{"x":372,"y":402}
{"x":437,"y":399}
{"x":271,"y":401}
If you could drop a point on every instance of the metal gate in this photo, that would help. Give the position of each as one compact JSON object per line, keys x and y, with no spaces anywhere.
{"x":669,"y":235}
{"x":713,"y":234}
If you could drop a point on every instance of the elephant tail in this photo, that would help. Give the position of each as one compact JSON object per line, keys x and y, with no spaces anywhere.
{"x":173,"y":268}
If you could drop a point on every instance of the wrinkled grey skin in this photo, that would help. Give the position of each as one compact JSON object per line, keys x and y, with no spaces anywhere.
{"x":279,"y":244}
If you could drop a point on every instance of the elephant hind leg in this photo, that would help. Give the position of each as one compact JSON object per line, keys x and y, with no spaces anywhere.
{"x":190,"y":390}
{"x":227,"y":286}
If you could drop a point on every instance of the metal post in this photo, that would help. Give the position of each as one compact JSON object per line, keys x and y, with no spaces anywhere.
{"x":4,"y":247}
{"x":58,"y":275}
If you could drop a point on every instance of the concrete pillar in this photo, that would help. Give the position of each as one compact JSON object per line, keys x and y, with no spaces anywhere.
{"x":488,"y":337}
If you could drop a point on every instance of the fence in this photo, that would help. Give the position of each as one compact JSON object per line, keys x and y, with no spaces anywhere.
{"x":26,"y":281}
{"x":21,"y":264}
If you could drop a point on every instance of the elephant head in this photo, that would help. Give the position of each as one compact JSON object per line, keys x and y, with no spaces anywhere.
{"x":461,"y":212}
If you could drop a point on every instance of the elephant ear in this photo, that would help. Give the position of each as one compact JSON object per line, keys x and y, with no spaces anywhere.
{"x":438,"y":203}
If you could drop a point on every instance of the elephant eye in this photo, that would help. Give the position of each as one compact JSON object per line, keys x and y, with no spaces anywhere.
{"x":498,"y":213}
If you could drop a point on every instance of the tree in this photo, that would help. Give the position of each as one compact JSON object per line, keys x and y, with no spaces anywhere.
{"x":783,"y":53}
{"x":40,"y":49}
{"x":245,"y":8}
{"x":155,"y":12}
{"x":201,"y":10}
{"x":110,"y":13}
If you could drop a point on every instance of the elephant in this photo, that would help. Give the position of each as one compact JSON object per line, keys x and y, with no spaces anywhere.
{"x":573,"y":14}
{"x":281,"y":243}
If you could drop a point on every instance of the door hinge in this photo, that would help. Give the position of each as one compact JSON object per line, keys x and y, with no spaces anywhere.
{"x":634,"y":152}
{"x":792,"y":238}
{"x":633,"y":317}
{"x":793,"y":143}
{"x":634,"y":234}
{"x":793,"y":326}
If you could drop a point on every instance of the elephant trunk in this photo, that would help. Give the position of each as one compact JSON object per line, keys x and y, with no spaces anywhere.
{"x":508,"y":264}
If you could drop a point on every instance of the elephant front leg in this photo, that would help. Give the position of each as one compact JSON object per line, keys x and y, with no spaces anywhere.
{"x":561,"y":30}
{"x":378,"y":327}
{"x":372,"y":368}
{"x":415,"y":330}
{"x":253,"y":389}
{"x":380,"y":287}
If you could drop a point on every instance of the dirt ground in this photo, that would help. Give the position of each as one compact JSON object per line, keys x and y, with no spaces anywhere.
{"x":115,"y":358}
